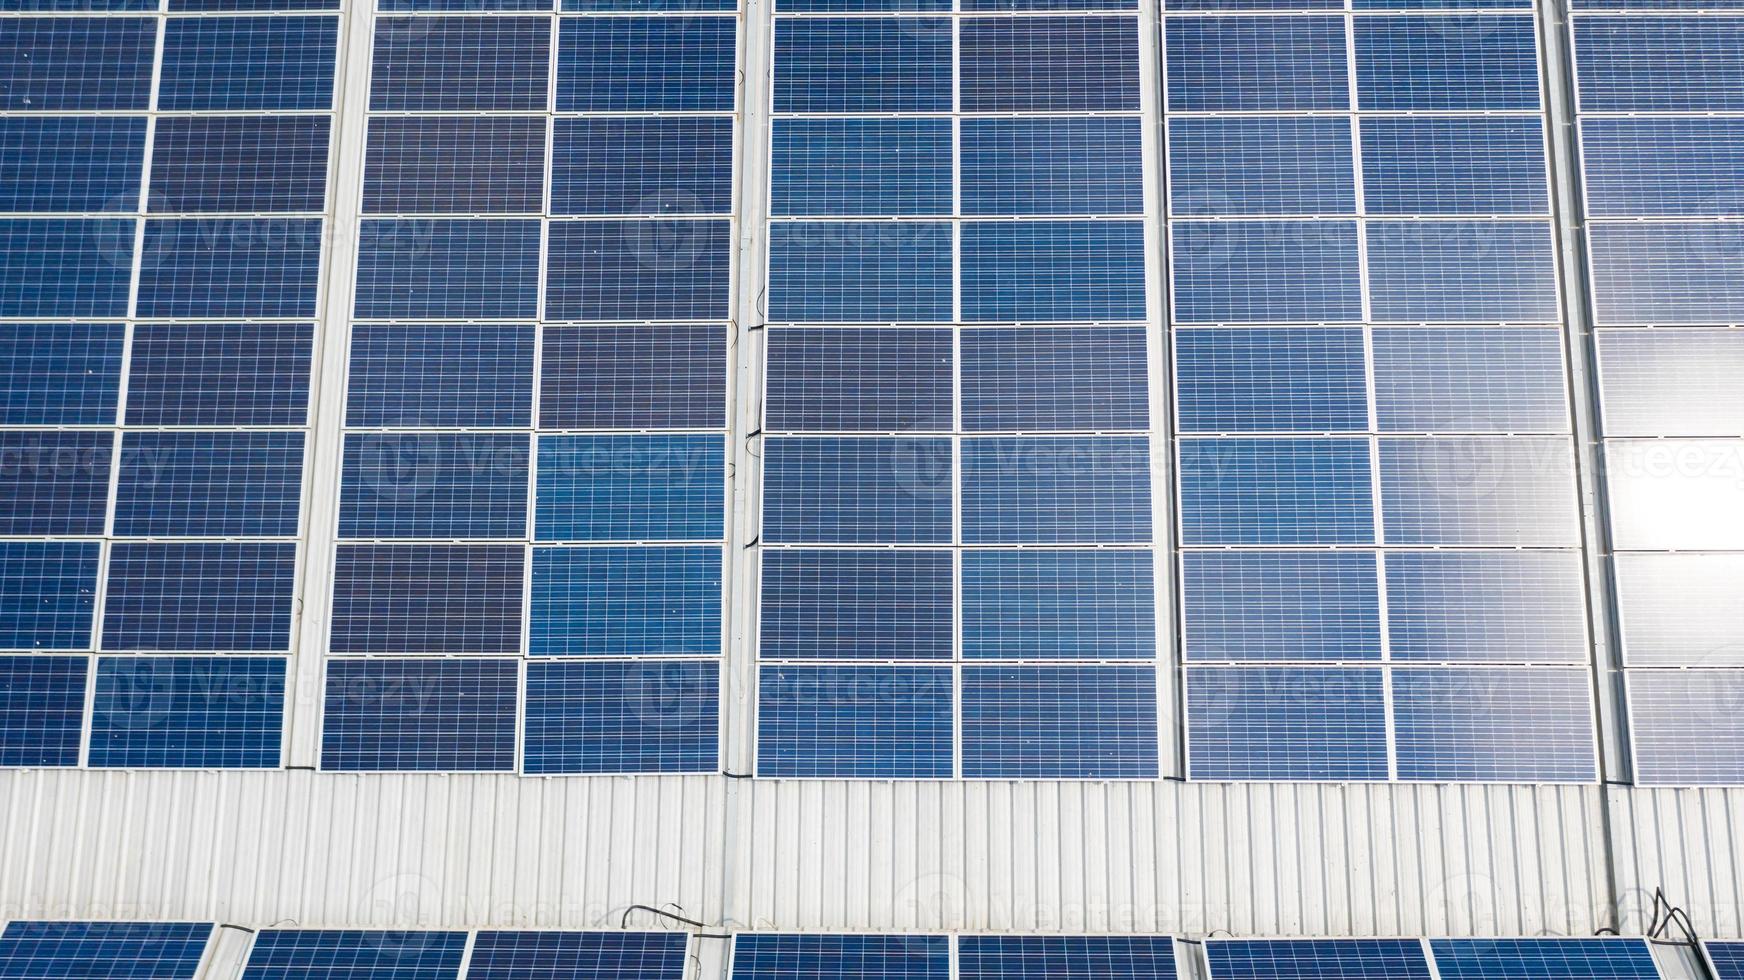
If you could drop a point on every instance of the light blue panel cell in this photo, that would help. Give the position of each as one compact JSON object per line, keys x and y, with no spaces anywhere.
{"x":1256,"y":166}
{"x":1475,"y":606}
{"x":856,"y":490}
{"x":1321,"y":724}
{"x":1285,"y":64}
{"x":1275,"y":491}
{"x":860,"y":166}
{"x":855,"y":722}
{"x":1060,"y":722}
{"x":1280,"y":605}
{"x":1265,"y":271}
{"x":1470,"y":379}
{"x":1056,"y":490}
{"x":1446,"y":62}
{"x":1648,"y":167}
{"x":1462,"y":271}
{"x":860,"y":271}
{"x":1048,"y":604}
{"x":631,"y":488}
{"x":1054,"y":270}
{"x":1443,"y":166}
{"x":616,"y":601}
{"x":1664,"y":273}
{"x":1271,"y":380}
{"x":1489,"y":490}
{"x":1660,"y":63}
{"x":1494,"y":724}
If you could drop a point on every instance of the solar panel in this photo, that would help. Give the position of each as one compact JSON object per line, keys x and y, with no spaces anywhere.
{"x":1478,"y":491}
{"x":622,"y":716}
{"x":1059,"y":722}
{"x":625,"y":601}
{"x":1727,"y":959}
{"x":354,"y":954}
{"x":1058,"y":166}
{"x":862,"y":65}
{"x":58,"y":64}
{"x":847,"y":271}
{"x":1670,"y":382}
{"x":1275,"y":491}
{"x":59,"y":373}
{"x":637,"y":270}
{"x":1280,"y":605}
{"x":440,"y":376}
{"x":1657,"y":272}
{"x":626,"y":377}
{"x":453,"y":715}
{"x":206,"y":596}
{"x":1055,"y":490}
{"x":71,"y":163}
{"x":1054,"y":270}
{"x":433,"y":486}
{"x":427,"y":598}
{"x":1446,"y":62}
{"x":448,"y":269}
{"x":641,"y":64}
{"x":54,"y":267}
{"x":565,"y":955}
{"x":768,"y":956}
{"x":1048,"y":64}
{"x":843,"y":379}
{"x":1662,"y":167}
{"x":42,"y":709}
{"x":454,"y":165}
{"x":1494,"y":724}
{"x":1309,"y":270}
{"x":1256,"y":165}
{"x":1271,"y":380}
{"x":1060,"y":378}
{"x":440,"y":64}
{"x":857,"y":722}
{"x":138,"y":950}
{"x":1676,"y":610}
{"x":1461,"y":272}
{"x":188,"y":712}
{"x":1483,"y":165}
{"x":1058,"y":604}
{"x":1529,"y":959}
{"x":1659,"y":64}
{"x":260,"y":63}
{"x":1074,"y":957}
{"x":209,"y":484}
{"x":253,"y":374}
{"x":829,"y":604}
{"x":1674,"y":494}
{"x":1316,"y":959}
{"x":1235,"y":64}
{"x":830,"y":490}
{"x":1470,"y":379}
{"x":1286,"y":723}
{"x":268,"y":269}
{"x":1485,"y":605}
{"x":239,"y":163}
{"x":667,"y":165}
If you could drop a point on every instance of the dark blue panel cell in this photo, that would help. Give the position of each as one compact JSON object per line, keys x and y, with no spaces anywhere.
{"x":248,"y":63}
{"x":59,"y":373}
{"x":1316,"y":959}
{"x":857,"y":491}
{"x":42,"y":709}
{"x":54,"y":482}
{"x":637,"y":64}
{"x":859,"y":722}
{"x":71,"y":163}
{"x":77,"y":6}
{"x":1579,"y":958}
{"x":856,"y":605}
{"x":1494,"y":724}
{"x":433,"y":485}
{"x":141,"y":950}
{"x":454,"y":165}
{"x":419,"y":715}
{"x":48,"y":592}
{"x":1032,"y":605}
{"x":661,"y":166}
{"x":1663,"y":167}
{"x":1462,"y":271}
{"x":209,"y":484}
{"x":1271,"y":380}
{"x":1244,"y":64}
{"x":626,"y":601}
{"x":1060,"y":722}
{"x":1685,"y":728}
{"x":428,"y":599}
{"x":1655,"y":273}
{"x":1054,"y":378}
{"x":440,"y":376}
{"x":1486,"y":606}
{"x":595,"y":955}
{"x":309,"y":954}
{"x":219,"y":597}
{"x":250,"y":6}
{"x":1074,"y":165}
{"x":1276,"y":491}
{"x":886,"y":271}
{"x":631,"y":488}
{"x":665,"y":377}
{"x":638,"y":270}
{"x":65,"y":267}
{"x":860,"y":6}
{"x":239,"y":163}
{"x":861,"y":166}
{"x":1065,"y":957}
{"x":55,"y":64}
{"x":1049,"y":64}
{"x":623,"y":716}
{"x":1513,"y":492}
{"x":1053,"y":270}
{"x":776,"y":957}
{"x":1056,"y":490}
{"x":1259,"y":165}
{"x":651,"y":6}
{"x":875,"y":64}
{"x":463,"y":6}
{"x":188,"y":712}
{"x":1431,"y":165}
{"x":1280,"y":605}
{"x":1266,"y":271}
{"x":219,"y":374}
{"x":1321,"y":724}
{"x":835,"y":379}
{"x":1261,"y":5}
{"x":1476,"y":379}
{"x":1446,"y":62}
{"x":449,"y":269}
{"x":230,"y":267}
{"x":1728,"y":959}
{"x":441,"y":64}
{"x":1660,"y":64}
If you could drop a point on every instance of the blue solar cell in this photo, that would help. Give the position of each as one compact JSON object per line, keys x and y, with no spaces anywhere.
{"x":856,"y":722}
{"x":1072,"y":165}
{"x":1440,"y":165}
{"x":419,"y":715}
{"x":624,"y":716}
{"x":862,"y":167}
{"x":863,"y":65}
{"x":653,"y":6}
{"x":1663,"y":167}
{"x":856,"y":605}
{"x":1446,"y":62}
{"x":220,"y":374}
{"x":1066,"y":957}
{"x":460,"y":376}
{"x":834,"y":379}
{"x":65,"y":267}
{"x":209,"y":484}
{"x":631,"y":488}
{"x":1674,"y":494}
{"x":1275,"y":491}
{"x":1660,"y":64}
{"x":1316,"y":959}
{"x":1672,"y":607}
{"x":454,"y":165}
{"x":860,"y":6}
{"x":1280,"y":605}
{"x":198,"y":597}
{"x":637,"y":64}
{"x":1265,"y":271}
{"x":1053,"y":270}
{"x":56,"y":64}
{"x":1047,"y":604}
{"x":1271,"y":380}
{"x":48,"y":593}
{"x":217,"y":6}
{"x":1257,"y":165}
{"x":310,"y":954}
{"x":1241,"y":64}
{"x":1656,"y":272}
{"x":441,"y":64}
{"x":1486,"y":605}
{"x":1671,"y":382}
{"x":662,"y":166}
{"x":134,"y":950}
{"x":779,"y":957}
{"x":1685,"y":728}
{"x":1056,"y":490}
{"x":1060,"y":722}
{"x":887,"y":271}
{"x":42,"y":711}
{"x":857,"y":491}
{"x":239,"y":163}
{"x":665,"y":377}
{"x":232,"y":63}
{"x":1491,"y":490}
{"x":1462,"y":271}
{"x":1577,"y":958}
{"x":427,"y":599}
{"x":626,"y":601}
{"x":433,"y":485}
{"x":638,"y":270}
{"x":1727,"y":958}
{"x":77,"y":6}
{"x":1494,"y":724}
{"x":59,"y":373}
{"x":449,"y":269}
{"x":1054,"y":378}
{"x":54,"y":482}
{"x":71,"y":163}
{"x":230,"y":267}
{"x":574,"y":955}
{"x":188,"y":712}
{"x":1286,"y":723}
{"x":1048,"y":64}
{"x":1476,"y":379}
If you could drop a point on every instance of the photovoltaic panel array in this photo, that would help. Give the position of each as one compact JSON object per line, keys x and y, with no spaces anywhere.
{"x":161,"y":228}
{"x":70,"y":950}
{"x":1380,"y":562}
{"x":532,"y":508}
{"x":1577,"y":958}
{"x":956,"y":566}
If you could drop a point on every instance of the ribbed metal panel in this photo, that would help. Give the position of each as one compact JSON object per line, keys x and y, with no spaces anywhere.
{"x":1689,"y":842}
